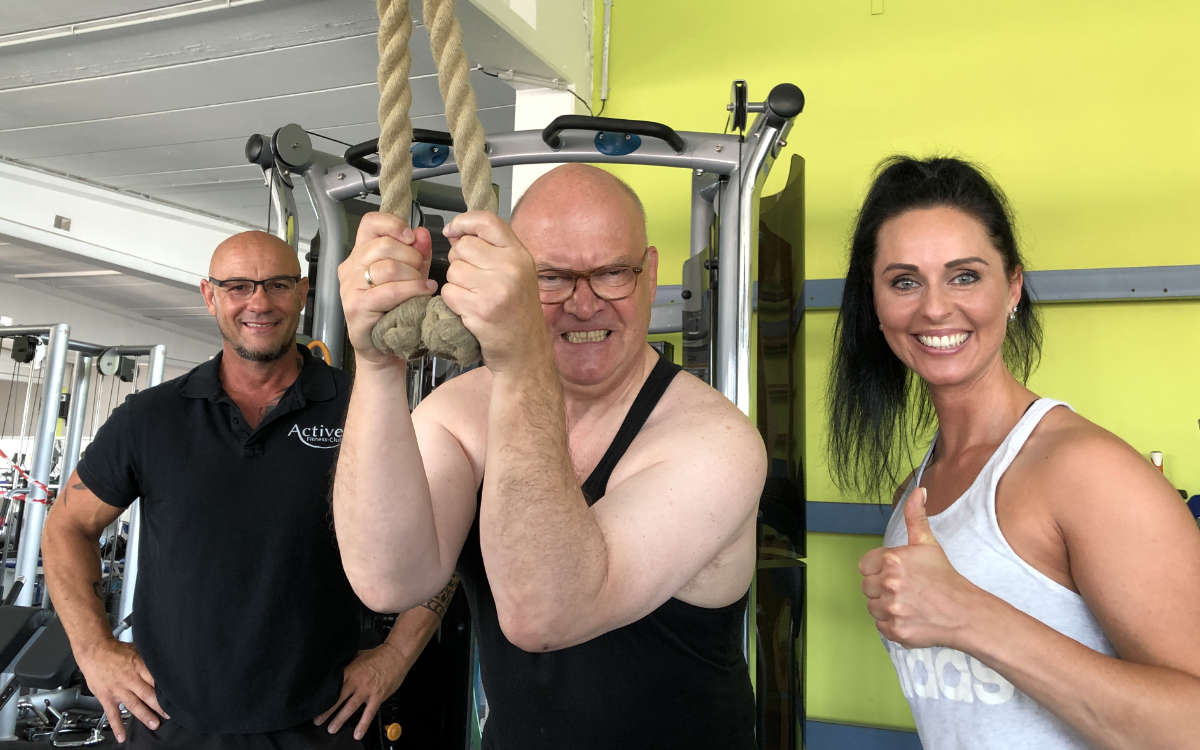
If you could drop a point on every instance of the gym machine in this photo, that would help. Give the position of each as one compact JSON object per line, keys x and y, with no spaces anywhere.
{"x":712,"y":308}
{"x":33,"y":645}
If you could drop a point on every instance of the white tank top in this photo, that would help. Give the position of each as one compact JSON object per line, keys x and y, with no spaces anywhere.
{"x":957,"y":701}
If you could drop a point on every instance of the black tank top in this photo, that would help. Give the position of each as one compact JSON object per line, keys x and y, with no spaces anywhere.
{"x":676,"y":678}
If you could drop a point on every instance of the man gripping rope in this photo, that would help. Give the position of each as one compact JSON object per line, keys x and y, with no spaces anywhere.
{"x":598,"y":503}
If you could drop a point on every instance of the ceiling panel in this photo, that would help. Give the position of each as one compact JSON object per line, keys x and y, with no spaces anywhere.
{"x":22,"y":16}
{"x":352,"y":104}
{"x":110,"y":166}
{"x":310,"y":67}
{"x":236,"y":30}
{"x":154,"y":182}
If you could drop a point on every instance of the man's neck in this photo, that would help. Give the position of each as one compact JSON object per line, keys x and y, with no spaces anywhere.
{"x":582,"y":404}
{"x":240,"y":375}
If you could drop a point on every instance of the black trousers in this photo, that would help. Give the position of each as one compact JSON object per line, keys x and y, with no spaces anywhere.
{"x":171,"y":736}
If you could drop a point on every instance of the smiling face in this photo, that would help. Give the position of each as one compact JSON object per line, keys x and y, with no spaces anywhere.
{"x":580,"y":218}
{"x":942,"y":294}
{"x":261,"y":328}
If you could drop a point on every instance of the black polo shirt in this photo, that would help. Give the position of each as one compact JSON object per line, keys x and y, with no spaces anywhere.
{"x":242,"y":611}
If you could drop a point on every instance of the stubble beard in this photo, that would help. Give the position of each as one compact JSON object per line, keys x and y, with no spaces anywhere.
{"x":251,"y":355}
{"x":267,"y":356}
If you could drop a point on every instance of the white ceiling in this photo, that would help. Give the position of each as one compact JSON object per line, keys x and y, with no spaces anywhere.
{"x":162,"y":106}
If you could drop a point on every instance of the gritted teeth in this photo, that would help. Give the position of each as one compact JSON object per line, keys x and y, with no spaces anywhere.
{"x":943,"y":342}
{"x":585,"y":337}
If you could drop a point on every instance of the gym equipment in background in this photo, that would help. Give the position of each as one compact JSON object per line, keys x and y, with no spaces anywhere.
{"x":40,"y":688}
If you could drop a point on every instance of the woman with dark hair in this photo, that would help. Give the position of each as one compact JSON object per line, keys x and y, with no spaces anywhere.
{"x":1040,"y":583}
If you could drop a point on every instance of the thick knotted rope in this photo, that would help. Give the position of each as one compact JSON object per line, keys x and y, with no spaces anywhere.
{"x":425,"y":323}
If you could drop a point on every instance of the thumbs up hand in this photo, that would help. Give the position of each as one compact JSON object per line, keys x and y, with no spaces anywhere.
{"x":917,"y":522}
{"x":913,"y":592}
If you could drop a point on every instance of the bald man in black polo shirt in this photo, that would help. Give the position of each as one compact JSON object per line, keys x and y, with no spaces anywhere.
{"x":245,"y":628}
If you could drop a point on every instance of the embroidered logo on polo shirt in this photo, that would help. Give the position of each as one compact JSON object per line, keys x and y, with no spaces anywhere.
{"x":317,"y":436}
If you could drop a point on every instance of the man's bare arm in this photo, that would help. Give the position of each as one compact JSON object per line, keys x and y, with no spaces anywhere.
{"x":114,"y":671}
{"x":378,"y":672}
{"x":72,"y":562}
{"x":383,"y":508}
{"x":441,"y":602}
{"x":380,"y":495}
{"x":562,"y":572}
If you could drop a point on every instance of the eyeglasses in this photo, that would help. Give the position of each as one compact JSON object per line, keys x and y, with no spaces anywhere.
{"x":276,"y":286}
{"x":611,"y":283}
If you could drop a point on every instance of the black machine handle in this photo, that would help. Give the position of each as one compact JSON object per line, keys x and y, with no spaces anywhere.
{"x":610,"y":124}
{"x":356,"y":155}
{"x":783,"y":103}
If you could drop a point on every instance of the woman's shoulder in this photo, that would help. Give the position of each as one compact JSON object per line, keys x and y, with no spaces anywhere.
{"x":1071,"y":453}
{"x":1067,"y":436}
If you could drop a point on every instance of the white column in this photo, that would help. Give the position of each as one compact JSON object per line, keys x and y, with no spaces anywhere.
{"x":534,"y":109}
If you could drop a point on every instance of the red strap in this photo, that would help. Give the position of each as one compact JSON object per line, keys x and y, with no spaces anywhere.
{"x":31,"y":480}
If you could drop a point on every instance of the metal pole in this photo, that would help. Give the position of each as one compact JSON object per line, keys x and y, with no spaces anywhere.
{"x":158,"y":358}
{"x":22,"y":454}
{"x":80,"y":383}
{"x":283,"y":207}
{"x":711,"y":152}
{"x":35,"y":510}
{"x":702,"y":210}
{"x":753,"y":174}
{"x":328,"y":318}
{"x":724,"y":347}
{"x":35,"y":501}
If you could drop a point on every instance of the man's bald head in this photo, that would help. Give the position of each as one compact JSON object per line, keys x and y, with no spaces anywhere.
{"x":261,"y":326}
{"x":254,"y":248}
{"x":574,"y":187}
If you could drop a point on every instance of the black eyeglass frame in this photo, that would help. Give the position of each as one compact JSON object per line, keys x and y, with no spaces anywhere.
{"x":577,"y":275}
{"x":255,"y":283}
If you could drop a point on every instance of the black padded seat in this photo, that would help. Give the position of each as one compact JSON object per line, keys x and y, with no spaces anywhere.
{"x":48,"y":663}
{"x":17,"y":626}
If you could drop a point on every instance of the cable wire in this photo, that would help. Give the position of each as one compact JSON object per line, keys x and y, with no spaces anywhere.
{"x":577,"y":96}
{"x":328,"y":138}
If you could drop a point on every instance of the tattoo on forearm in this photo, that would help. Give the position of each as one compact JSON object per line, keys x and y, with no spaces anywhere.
{"x":439,"y":603}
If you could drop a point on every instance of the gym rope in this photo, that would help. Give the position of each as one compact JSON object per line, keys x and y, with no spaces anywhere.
{"x":426,"y":323}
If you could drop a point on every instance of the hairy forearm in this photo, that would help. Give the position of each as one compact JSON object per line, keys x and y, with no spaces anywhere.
{"x":381,"y":495}
{"x":544,"y":551}
{"x":72,"y":567}
{"x":1112,"y":702}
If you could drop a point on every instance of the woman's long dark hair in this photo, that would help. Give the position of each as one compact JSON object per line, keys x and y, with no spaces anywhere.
{"x":877,"y":407}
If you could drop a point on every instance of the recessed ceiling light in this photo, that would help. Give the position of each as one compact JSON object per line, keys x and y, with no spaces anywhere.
{"x":65,"y":274}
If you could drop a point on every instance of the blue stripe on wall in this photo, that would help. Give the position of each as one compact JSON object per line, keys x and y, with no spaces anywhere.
{"x":847,"y":518}
{"x":825,"y":735}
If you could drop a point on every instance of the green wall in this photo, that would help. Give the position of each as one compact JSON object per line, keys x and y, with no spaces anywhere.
{"x":1088,"y":114}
